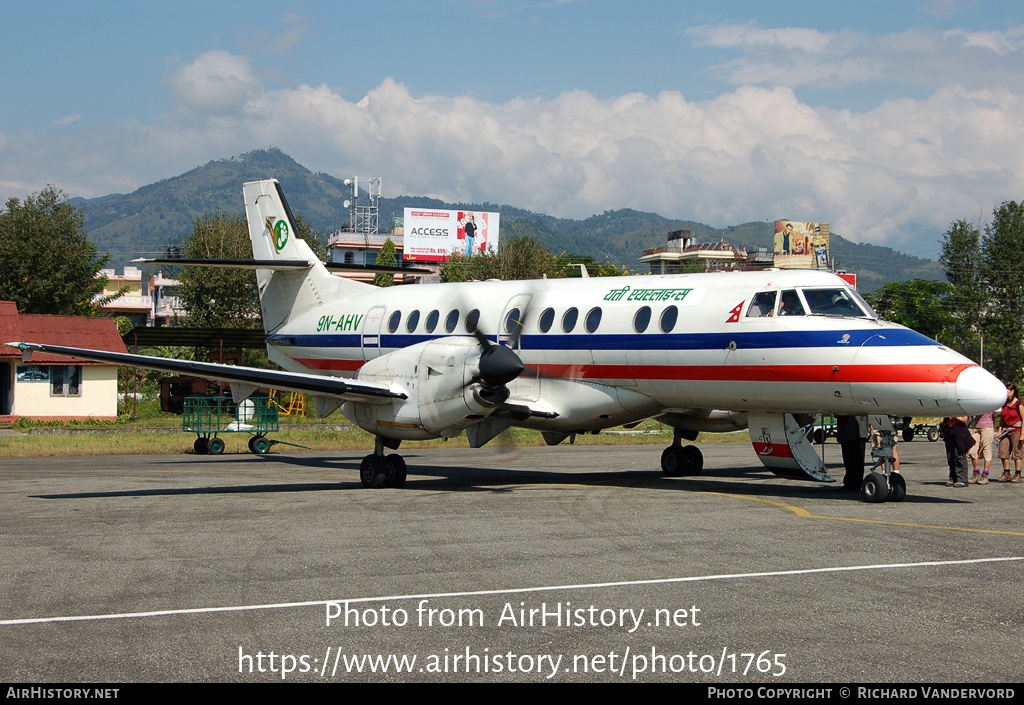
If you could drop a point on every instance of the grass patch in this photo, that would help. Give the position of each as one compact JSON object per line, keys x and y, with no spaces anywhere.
{"x":326,"y":439}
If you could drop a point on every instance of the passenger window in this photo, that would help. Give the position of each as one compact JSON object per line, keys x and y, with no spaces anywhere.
{"x":547,"y":319}
{"x":414,"y":320}
{"x":642,"y":319}
{"x":791,"y":305}
{"x":393,"y":322}
{"x":668,"y":319}
{"x":452,"y":320}
{"x":432,"y":320}
{"x":593,"y":320}
{"x":763,"y":304}
{"x":473,"y":321}
{"x":569,"y":319}
{"x":513,"y":321}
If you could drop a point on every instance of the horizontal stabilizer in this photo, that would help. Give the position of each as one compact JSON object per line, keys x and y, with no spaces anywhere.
{"x":345,"y":389}
{"x":229,"y":263}
{"x":278,"y":264}
{"x":370,"y":268}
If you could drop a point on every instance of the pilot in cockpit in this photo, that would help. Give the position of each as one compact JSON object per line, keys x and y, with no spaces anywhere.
{"x":791,"y":305}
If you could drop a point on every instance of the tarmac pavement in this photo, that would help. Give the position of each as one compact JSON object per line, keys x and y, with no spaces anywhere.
{"x":566,"y":564}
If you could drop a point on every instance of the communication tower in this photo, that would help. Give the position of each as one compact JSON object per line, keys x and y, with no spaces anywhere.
{"x":364,"y":208}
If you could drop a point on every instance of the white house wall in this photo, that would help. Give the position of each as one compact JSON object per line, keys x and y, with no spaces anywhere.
{"x":98,"y":398}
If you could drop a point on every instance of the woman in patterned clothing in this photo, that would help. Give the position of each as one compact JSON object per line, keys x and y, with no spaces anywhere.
{"x":1009,"y":436}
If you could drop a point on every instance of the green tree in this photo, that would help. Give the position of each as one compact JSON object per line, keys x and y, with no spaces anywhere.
{"x":219,"y":298}
{"x":1002,"y":256}
{"x":523,"y":257}
{"x":968,"y":295}
{"x":387,"y":257}
{"x":921,"y":304}
{"x":568,"y":266}
{"x":49,"y":265}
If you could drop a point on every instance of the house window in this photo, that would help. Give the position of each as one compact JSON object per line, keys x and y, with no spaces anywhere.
{"x":65,"y":380}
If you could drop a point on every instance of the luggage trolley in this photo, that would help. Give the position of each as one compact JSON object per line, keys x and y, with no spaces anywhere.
{"x":209,"y":416}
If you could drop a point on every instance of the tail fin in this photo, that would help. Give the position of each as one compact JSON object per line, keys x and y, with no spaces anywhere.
{"x":283,"y":293}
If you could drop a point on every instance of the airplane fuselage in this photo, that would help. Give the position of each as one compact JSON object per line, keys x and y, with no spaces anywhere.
{"x":659,"y":343}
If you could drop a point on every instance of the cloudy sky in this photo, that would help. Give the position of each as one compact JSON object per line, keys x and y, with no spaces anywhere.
{"x":887,"y":119}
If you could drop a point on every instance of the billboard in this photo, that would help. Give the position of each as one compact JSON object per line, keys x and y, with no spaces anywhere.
{"x":800,"y":245}
{"x":432,"y":235}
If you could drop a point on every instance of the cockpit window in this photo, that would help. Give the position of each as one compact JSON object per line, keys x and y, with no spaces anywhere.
{"x":763,"y":304}
{"x":791,"y":305}
{"x":863,"y":304}
{"x":833,"y":302}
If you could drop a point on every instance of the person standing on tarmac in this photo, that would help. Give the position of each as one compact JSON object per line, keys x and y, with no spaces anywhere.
{"x":852,"y":434}
{"x":1009,"y":435}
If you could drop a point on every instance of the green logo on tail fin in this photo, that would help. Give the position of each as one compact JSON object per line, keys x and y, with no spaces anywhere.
{"x":280,"y":235}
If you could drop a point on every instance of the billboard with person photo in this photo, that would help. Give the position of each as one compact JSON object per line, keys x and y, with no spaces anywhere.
{"x":801,"y":245}
{"x":432,"y":235}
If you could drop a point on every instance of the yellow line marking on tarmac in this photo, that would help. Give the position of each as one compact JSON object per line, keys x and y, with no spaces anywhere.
{"x":800,"y":512}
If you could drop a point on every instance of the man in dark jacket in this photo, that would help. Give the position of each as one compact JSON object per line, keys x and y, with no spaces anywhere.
{"x":852,"y":434}
{"x":957,"y":438}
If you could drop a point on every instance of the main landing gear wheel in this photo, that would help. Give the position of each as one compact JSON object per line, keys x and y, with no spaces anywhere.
{"x":680,"y":461}
{"x":875,"y":489}
{"x":371,"y":471}
{"x":897,"y":487}
{"x":395,"y":471}
{"x":201,"y":446}
{"x":908,"y":435}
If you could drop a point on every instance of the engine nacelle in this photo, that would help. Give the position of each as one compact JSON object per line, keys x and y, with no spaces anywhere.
{"x":439,"y":378}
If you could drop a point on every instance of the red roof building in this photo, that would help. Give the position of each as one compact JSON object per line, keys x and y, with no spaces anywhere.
{"x":51,"y":386}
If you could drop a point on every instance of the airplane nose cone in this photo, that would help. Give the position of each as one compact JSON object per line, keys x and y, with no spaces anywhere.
{"x":978,"y":392}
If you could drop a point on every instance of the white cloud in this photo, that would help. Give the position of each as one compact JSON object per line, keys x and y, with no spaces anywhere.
{"x":754,"y":153}
{"x":216,"y":82}
{"x":798,"y":57}
{"x":67,"y":120}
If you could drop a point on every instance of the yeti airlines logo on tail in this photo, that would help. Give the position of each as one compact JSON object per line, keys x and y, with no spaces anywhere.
{"x":280,"y":230}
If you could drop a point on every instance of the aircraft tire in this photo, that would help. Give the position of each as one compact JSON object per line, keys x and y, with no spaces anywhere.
{"x":675,"y":462}
{"x":819,"y":436}
{"x":908,"y":435}
{"x":201,"y":446}
{"x":371,"y":471}
{"x":395,"y":471}
{"x":697,"y":459}
{"x":216,"y":446}
{"x":875,"y":489}
{"x":897,"y":487}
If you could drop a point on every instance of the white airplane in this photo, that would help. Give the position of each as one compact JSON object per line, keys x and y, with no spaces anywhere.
{"x":699,"y":352}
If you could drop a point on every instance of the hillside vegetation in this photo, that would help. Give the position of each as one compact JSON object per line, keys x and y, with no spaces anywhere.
{"x":146,"y":221}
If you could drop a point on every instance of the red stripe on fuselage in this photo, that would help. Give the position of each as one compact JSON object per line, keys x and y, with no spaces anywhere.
{"x":324,"y":364}
{"x":912,"y":374}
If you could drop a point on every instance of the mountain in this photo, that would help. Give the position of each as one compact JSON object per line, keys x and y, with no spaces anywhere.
{"x":146,"y":221}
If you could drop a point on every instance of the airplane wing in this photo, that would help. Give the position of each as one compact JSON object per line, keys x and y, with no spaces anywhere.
{"x":246,"y":377}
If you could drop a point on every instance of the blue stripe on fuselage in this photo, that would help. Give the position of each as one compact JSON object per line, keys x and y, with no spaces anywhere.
{"x":890,"y":337}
